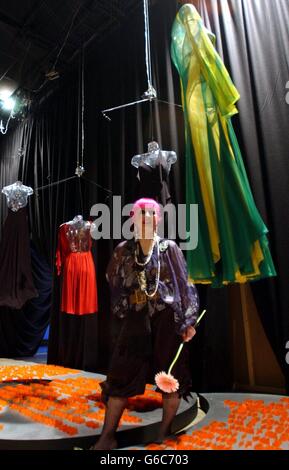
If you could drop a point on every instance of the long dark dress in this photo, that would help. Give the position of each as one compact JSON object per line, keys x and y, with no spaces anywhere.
{"x":154,"y":182}
{"x":151,"y":332}
{"x":16,"y":282}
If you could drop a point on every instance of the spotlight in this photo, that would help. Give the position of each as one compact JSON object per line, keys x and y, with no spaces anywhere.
{"x":5,"y":93}
{"x":8,"y":104}
{"x":14,"y":104}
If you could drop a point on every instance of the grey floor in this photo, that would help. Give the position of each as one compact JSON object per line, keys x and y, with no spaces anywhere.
{"x":218,"y":411}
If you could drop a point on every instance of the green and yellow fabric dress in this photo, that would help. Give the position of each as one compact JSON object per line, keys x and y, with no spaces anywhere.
{"x":232,"y":242}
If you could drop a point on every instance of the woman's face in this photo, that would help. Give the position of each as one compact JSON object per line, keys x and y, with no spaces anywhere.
{"x":145,"y":221}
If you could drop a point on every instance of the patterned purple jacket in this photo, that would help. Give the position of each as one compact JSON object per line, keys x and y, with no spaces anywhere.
{"x":174,"y":289}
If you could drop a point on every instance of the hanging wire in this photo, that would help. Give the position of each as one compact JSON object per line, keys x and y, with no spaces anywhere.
{"x":80,"y":121}
{"x":80,"y":196}
{"x":80,"y":145}
{"x":82,"y":106}
{"x":67,"y":34}
{"x":78,"y":117}
{"x":52,"y":71}
{"x":80,"y":128}
{"x":150,"y":94}
{"x":148,"y":48}
{"x":151,"y":132}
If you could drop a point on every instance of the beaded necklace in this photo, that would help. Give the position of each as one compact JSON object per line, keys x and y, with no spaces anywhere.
{"x":142,"y":280}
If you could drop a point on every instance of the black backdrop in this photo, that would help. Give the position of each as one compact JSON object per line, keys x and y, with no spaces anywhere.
{"x":251,"y":37}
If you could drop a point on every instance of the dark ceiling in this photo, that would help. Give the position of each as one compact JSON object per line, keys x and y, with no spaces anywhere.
{"x":38,"y":36}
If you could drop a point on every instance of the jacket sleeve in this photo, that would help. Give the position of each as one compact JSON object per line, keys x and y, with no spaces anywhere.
{"x":186,"y":305}
{"x":115,"y":276}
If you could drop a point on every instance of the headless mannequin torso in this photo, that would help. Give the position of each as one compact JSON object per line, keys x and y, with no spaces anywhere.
{"x":78,"y":234}
{"x":17,"y":195}
{"x":153,"y":173}
{"x":155,"y":156}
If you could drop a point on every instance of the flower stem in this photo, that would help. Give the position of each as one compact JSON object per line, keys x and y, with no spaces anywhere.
{"x":176,"y":357}
{"x":182,"y":344}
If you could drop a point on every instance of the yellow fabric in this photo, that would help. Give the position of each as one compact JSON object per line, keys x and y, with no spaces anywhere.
{"x":232,"y":244}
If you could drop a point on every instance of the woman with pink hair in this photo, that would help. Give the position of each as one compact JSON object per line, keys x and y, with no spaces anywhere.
{"x":150,"y":292}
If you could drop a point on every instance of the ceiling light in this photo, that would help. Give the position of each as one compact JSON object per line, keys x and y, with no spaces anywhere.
{"x":8,"y":104}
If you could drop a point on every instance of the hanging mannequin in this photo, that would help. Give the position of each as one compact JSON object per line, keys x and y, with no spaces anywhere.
{"x":17,"y":195}
{"x":78,"y":234}
{"x":76,"y":336}
{"x":79,"y":294}
{"x":153,"y":172}
{"x":16,"y":282}
{"x":155,"y":156}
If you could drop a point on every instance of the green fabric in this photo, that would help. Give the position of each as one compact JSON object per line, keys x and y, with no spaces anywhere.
{"x":232,"y":242}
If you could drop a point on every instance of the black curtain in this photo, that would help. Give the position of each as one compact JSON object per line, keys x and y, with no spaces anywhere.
{"x":251,"y":37}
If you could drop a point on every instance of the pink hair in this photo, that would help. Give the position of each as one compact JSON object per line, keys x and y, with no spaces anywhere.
{"x":146,"y":203}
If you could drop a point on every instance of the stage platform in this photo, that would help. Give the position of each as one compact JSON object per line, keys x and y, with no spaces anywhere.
{"x":44,"y":408}
{"x":235,"y":421}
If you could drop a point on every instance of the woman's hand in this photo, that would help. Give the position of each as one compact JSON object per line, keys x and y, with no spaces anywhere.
{"x":188,"y":334}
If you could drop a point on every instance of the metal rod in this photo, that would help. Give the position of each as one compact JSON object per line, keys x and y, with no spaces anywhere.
{"x":54,"y":184}
{"x":123,"y":106}
{"x":104,"y":111}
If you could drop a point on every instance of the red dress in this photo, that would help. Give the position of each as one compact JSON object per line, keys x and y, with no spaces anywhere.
{"x":73,"y":256}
